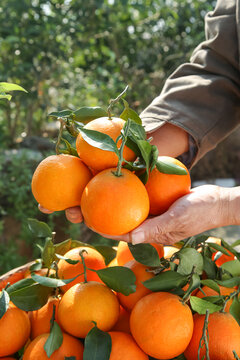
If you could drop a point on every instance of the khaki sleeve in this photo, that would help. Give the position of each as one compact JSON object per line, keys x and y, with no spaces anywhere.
{"x":203,"y":96}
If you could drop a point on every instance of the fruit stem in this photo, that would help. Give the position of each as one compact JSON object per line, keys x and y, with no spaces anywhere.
{"x":235,"y":355}
{"x":124,"y":134}
{"x":59,"y":135}
{"x":114,"y":101}
{"x":229,"y":297}
{"x":53,"y":317}
{"x":84,"y":265}
{"x":205,"y":337}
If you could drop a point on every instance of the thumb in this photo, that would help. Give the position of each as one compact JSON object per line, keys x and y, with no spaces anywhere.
{"x":154,"y":230}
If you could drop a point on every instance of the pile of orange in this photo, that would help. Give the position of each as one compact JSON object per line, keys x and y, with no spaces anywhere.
{"x":142,"y":324}
{"x":110,"y":204}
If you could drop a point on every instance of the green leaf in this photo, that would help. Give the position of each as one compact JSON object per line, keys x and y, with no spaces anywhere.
{"x":194,"y":284}
{"x":233,"y":267}
{"x":118,"y":278}
{"x":39,"y":228}
{"x":70,"y":358}
{"x":36,"y":266}
{"x":54,"y":340}
{"x":107,"y":252}
{"x":235,"y":309}
{"x":86,"y":114}
{"x":189,"y":258}
{"x":235,"y":281}
{"x":231,"y":249}
{"x":48,"y":253}
{"x":20,"y":285}
{"x":60,"y":114}
{"x":211,"y":284}
{"x":166,"y":166}
{"x":129,"y":113}
{"x":4,"y":302}
{"x":236,"y":243}
{"x":50,"y":282}
{"x":69,"y":261}
{"x":5,"y":96}
{"x":154,"y":157}
{"x":166,"y":281}
{"x":145,"y":254}
{"x":201,"y":306}
{"x":31,"y":297}
{"x":99,"y":140}
{"x":209,"y":267}
{"x":218,"y":248}
{"x":97,"y":345}
{"x":146,"y":150}
{"x":6,"y":87}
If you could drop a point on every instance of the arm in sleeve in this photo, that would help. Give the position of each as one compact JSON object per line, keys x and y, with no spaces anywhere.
{"x":203,"y":96}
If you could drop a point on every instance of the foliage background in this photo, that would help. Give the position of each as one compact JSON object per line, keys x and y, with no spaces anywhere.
{"x":71,"y":53}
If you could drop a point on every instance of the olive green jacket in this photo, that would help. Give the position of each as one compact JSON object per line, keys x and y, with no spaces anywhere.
{"x":203,"y":96}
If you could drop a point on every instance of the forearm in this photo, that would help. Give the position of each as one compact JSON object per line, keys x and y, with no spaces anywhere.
{"x":170,"y":140}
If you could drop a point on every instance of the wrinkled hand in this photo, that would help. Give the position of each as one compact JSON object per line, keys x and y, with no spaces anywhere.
{"x":204,"y":208}
{"x":201,"y":210}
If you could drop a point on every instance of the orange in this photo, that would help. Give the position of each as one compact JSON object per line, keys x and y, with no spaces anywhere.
{"x":223,"y":291}
{"x":93,"y":260}
{"x":164,"y":189}
{"x":40,"y":319}
{"x":125,"y":348}
{"x":124,"y":254}
{"x":123,"y":322}
{"x":14,"y":330}
{"x":87,"y":302}
{"x":59,"y":180}
{"x":162,"y":325}
{"x":141,"y":274}
{"x":223,"y":258}
{"x":11,"y":277}
{"x":70,"y":347}
{"x":99,"y":159}
{"x":224,"y":337}
{"x":114,"y":205}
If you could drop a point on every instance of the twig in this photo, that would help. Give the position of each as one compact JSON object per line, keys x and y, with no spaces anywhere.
{"x":204,"y":338}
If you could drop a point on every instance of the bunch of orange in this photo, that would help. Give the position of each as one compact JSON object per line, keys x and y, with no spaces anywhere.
{"x":111,"y":203}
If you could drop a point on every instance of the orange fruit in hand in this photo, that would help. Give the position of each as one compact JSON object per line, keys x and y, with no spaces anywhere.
{"x":99,"y":159}
{"x":70,"y":347}
{"x":59,"y":180}
{"x":224,"y":337}
{"x":125,"y":348}
{"x":114,"y":205}
{"x":40,"y":319}
{"x":164,"y":189}
{"x":93,"y":260}
{"x":14,"y":330}
{"x":141,"y":274}
{"x":85,"y":303}
{"x":210,"y":292}
{"x":162,"y":325}
{"x":124,"y":254}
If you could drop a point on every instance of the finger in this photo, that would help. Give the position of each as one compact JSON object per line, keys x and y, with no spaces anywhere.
{"x":74,"y":214}
{"x":43,"y":210}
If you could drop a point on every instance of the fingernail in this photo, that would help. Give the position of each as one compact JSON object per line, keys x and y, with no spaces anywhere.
{"x":138,"y":237}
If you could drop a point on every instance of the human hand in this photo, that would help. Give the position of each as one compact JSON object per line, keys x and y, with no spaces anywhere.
{"x":73,"y":214}
{"x":204,"y":208}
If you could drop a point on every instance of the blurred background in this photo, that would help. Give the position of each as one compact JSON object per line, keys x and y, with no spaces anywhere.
{"x":72,"y":53}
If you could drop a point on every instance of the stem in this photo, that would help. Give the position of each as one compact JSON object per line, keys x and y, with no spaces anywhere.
{"x":235,"y":355}
{"x":205,"y":337}
{"x":120,"y":159}
{"x":229,"y":297}
{"x":114,"y":101}
{"x":53,"y":317}
{"x":84,"y":265}
{"x":59,"y":135}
